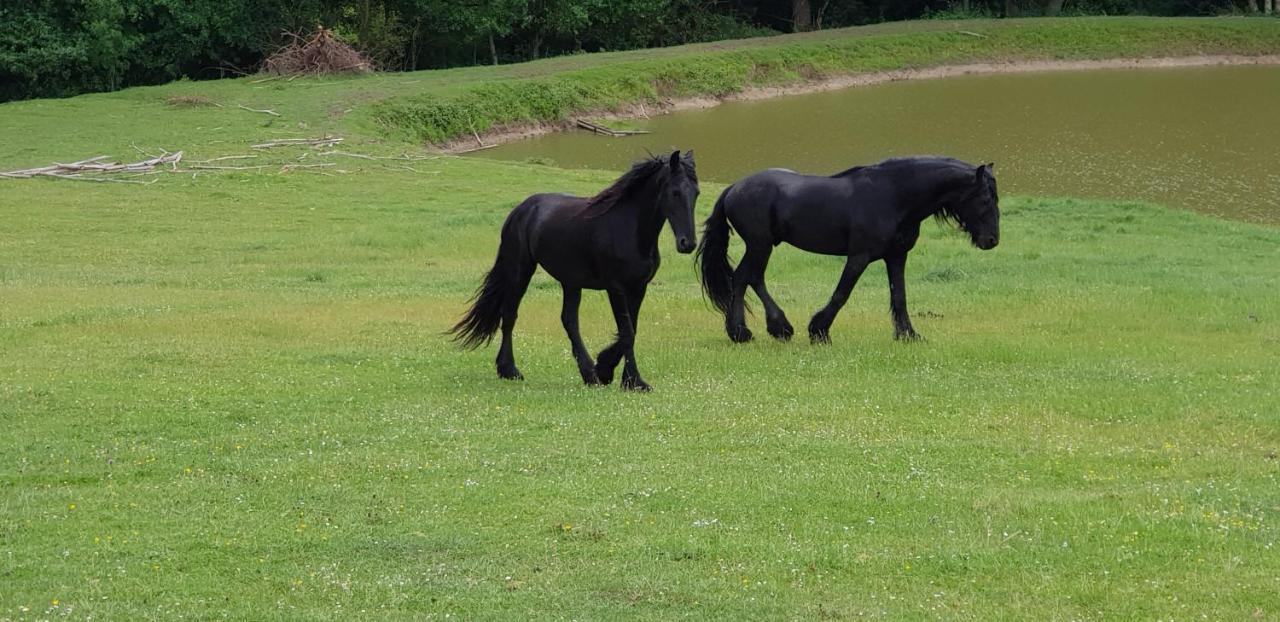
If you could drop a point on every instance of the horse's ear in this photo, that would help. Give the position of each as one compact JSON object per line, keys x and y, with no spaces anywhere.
{"x":984,"y":170}
{"x":688,"y":155}
{"x":675,"y":160}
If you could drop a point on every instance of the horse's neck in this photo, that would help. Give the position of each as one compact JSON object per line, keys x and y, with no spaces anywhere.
{"x":941,"y":189}
{"x":642,"y":210}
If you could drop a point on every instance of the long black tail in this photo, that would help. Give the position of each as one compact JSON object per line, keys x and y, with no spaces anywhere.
{"x":484,"y":318}
{"x":713,"y":257}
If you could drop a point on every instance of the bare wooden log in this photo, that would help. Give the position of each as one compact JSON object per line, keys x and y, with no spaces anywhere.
{"x":404,"y":158}
{"x":607,"y":131}
{"x":327,"y":141}
{"x":95,"y":165}
{"x":270,"y":112}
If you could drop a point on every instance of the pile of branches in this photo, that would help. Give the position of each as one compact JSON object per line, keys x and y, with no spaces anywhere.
{"x":319,"y":54}
{"x":97,"y":169}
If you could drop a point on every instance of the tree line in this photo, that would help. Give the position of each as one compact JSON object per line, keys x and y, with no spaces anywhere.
{"x":63,"y":47}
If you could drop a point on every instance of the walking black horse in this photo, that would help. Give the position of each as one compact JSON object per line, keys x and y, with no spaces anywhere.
{"x":866,"y":213}
{"x":608,"y":242}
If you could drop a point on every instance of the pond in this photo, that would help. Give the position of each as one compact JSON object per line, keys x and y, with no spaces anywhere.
{"x":1201,"y":138}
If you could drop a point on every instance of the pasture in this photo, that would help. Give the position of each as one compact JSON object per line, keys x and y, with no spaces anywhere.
{"x":228,"y":395}
{"x":231,"y":396}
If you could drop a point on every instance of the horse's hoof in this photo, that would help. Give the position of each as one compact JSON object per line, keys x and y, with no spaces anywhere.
{"x":740,"y":334}
{"x":636,"y":384}
{"x":510,"y":374}
{"x":590,"y":378}
{"x":604,"y":375}
{"x":819,"y":337}
{"x":782,"y":332}
{"x":605,"y":364}
{"x":907,"y":336}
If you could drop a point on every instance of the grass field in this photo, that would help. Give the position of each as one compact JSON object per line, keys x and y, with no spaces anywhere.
{"x":228,"y":396}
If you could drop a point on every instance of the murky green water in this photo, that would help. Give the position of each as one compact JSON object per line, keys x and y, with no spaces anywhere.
{"x":1206,"y":139}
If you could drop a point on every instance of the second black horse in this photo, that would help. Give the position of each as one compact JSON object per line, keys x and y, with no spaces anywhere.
{"x":866,"y":213}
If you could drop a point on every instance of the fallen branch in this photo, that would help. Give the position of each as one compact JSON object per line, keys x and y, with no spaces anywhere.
{"x":404,"y":158}
{"x":289,"y":167}
{"x":96,"y":167}
{"x":300,"y":142}
{"x":99,"y":179}
{"x":475,"y":149}
{"x":212,"y":167}
{"x":607,"y":131}
{"x":270,"y":112}
{"x":233,"y":157}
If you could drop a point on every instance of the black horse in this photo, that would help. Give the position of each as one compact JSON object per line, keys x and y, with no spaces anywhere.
{"x":608,"y":242}
{"x":866,"y":213}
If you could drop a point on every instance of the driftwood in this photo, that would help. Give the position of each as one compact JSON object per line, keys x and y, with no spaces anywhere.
{"x":100,"y":169}
{"x":475,"y":149}
{"x":97,"y":169}
{"x":607,"y":131}
{"x":327,"y":141}
{"x":405,"y":158}
{"x":270,"y":112}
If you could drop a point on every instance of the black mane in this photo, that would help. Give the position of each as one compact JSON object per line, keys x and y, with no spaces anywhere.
{"x":631,"y":181}
{"x":947,"y":211}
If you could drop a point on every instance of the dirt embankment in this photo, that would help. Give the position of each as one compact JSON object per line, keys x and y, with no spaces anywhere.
{"x":511,"y":133}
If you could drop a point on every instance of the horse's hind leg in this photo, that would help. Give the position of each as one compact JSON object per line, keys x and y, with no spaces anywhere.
{"x":820,"y":325}
{"x":749,"y":272}
{"x":774,"y":318}
{"x":506,"y":361}
{"x":569,"y":317}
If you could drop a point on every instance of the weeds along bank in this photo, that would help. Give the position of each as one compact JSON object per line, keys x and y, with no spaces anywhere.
{"x":627,"y":80}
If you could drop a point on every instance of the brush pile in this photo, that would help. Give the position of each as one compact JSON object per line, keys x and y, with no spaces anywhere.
{"x":98,"y":169}
{"x":319,"y":54}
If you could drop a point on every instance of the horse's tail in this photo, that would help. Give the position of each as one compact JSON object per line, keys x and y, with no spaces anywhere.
{"x":713,"y":257}
{"x":483,"y":319}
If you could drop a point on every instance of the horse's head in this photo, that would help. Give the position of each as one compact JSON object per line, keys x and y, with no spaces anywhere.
{"x":678,"y":199}
{"x":978,"y":210}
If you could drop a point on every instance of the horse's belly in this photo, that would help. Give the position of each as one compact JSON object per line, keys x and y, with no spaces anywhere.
{"x":818,"y":242}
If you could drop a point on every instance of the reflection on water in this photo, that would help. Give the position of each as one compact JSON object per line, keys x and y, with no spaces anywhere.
{"x":1204,"y":138}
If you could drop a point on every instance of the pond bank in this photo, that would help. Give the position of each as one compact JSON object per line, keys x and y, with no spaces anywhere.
{"x":519,"y":131}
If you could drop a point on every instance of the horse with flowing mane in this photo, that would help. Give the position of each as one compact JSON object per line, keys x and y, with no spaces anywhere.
{"x":607,"y":242}
{"x":865,"y":214}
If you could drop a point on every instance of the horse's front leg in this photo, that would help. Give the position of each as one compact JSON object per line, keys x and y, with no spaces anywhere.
{"x":609,"y":358}
{"x":569,"y":318}
{"x":630,"y":373}
{"x":820,"y":325}
{"x":896,"y":266}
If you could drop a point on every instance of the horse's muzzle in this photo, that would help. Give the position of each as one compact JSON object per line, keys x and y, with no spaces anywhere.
{"x":988,"y":243}
{"x":685,"y":245}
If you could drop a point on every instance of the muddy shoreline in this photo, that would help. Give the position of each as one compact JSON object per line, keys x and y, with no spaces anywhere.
{"x":506,"y":134}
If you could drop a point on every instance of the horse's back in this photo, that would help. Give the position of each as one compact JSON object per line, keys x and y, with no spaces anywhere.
{"x":779,"y":205}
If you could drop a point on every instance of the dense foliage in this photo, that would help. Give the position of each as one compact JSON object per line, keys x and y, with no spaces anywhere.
{"x":63,"y":47}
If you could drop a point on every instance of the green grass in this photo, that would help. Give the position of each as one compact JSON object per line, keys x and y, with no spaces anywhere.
{"x":229,"y":396}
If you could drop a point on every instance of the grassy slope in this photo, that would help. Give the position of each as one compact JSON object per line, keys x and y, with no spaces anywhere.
{"x":229,"y":395}
{"x":433,"y":105}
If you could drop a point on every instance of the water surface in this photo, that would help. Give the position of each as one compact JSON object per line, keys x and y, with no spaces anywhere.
{"x":1202,"y":138}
